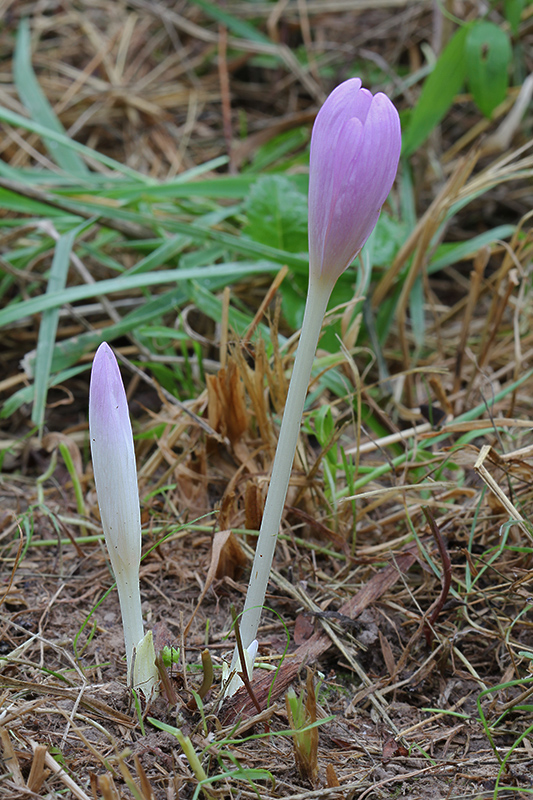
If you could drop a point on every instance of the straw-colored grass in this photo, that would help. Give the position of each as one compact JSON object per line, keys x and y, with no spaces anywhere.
{"x":402,"y":574}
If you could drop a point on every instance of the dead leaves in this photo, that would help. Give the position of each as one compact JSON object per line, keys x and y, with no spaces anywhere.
{"x":226,"y":407}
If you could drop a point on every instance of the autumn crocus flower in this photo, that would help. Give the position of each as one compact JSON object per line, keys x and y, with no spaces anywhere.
{"x":115,"y":476}
{"x":355,"y":148}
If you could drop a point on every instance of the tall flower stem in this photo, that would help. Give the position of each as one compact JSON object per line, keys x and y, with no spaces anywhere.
{"x":320,"y":288}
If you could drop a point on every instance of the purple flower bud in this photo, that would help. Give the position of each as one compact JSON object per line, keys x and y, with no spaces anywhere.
{"x":113,"y":455}
{"x":355,"y":149}
{"x":115,"y":476}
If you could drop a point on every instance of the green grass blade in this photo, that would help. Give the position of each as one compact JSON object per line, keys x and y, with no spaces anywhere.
{"x":11,"y":201}
{"x":37,"y":104}
{"x":12,"y":118}
{"x":416,"y":309}
{"x":237,"y":26}
{"x":69,"y":351}
{"x":211,"y":306}
{"x":232,"y":271}
{"x":471,"y":414}
{"x":226,"y":186}
{"x":452,"y":252}
{"x":48,"y":327}
{"x":160,"y":255}
{"x":198,"y":233}
{"x":25,"y":395}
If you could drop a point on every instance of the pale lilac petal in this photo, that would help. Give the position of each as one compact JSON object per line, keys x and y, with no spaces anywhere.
{"x":331,"y":212}
{"x":113,"y":457}
{"x":355,"y":148}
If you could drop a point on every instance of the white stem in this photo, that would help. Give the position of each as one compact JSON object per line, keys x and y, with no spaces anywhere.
{"x":315,"y":308}
{"x":130,"y":606}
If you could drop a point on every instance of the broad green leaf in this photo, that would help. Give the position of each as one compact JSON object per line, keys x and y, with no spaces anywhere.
{"x":513,"y":12}
{"x":293,"y":294}
{"x":37,"y":104}
{"x":277,"y":214}
{"x":277,"y":217}
{"x":488,"y":55}
{"x":389,"y":235}
{"x":438,"y":92}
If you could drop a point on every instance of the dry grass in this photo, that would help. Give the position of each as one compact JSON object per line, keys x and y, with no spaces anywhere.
{"x":406,"y":617}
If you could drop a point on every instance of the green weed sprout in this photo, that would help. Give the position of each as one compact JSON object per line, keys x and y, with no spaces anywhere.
{"x":301,"y":713}
{"x":115,"y":476}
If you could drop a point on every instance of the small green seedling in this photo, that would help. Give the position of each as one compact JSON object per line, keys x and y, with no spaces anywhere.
{"x":301,"y":712}
{"x":170,"y":656}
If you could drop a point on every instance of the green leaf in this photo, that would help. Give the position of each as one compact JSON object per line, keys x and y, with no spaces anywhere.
{"x":488,"y":55}
{"x":161,"y":255}
{"x":513,"y":12}
{"x":48,"y":326}
{"x":211,"y":306}
{"x":232,"y":271}
{"x":49,"y":134}
{"x":324,"y":424}
{"x":438,"y":92}
{"x":284,"y":146}
{"x":451,"y":252}
{"x":68,"y":351}
{"x":416,"y":309}
{"x":237,"y":26}
{"x":37,"y":104}
{"x":389,"y":235}
{"x":293,"y":294}
{"x":277,"y":214}
{"x":11,"y":201}
{"x":226,"y":186}
{"x":25,"y":395}
{"x":198,"y":233}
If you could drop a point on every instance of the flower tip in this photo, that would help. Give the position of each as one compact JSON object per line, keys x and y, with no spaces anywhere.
{"x":108,"y":406}
{"x":355,"y":149}
{"x":103,"y":348}
{"x":104,"y":356}
{"x":105,"y":374}
{"x":348,"y":87}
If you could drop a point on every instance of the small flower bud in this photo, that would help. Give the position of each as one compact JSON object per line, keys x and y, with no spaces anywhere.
{"x":115,"y":476}
{"x":355,"y":149}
